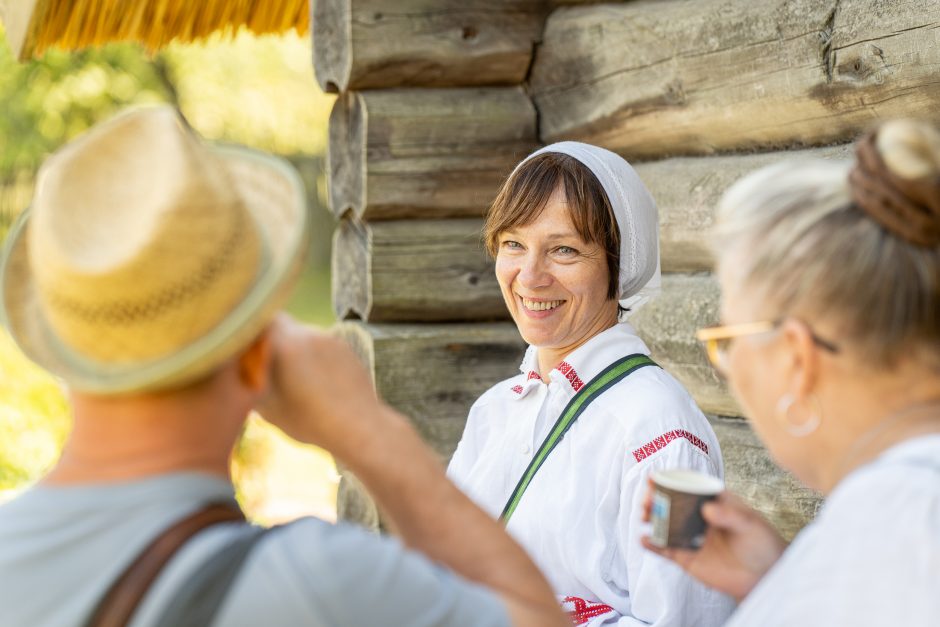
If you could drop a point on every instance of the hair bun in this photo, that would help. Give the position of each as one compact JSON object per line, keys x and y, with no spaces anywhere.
{"x":896,"y":180}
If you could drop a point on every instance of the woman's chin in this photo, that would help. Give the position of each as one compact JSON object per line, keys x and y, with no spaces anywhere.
{"x":540,"y":338}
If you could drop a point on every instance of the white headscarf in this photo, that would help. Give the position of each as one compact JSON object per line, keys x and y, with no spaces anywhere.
{"x":636,"y":214}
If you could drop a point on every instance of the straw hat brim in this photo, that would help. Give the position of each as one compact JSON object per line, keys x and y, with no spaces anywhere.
{"x":275,"y":198}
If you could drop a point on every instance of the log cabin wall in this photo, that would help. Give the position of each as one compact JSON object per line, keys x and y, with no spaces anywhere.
{"x":439,"y":99}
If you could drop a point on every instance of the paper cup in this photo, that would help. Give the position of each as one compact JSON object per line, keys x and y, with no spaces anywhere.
{"x":678,"y":496}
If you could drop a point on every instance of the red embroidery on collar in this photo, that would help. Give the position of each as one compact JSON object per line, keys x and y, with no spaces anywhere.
{"x":582,"y":611}
{"x":533,"y":375}
{"x":517,"y":389}
{"x":659,"y":443}
{"x":566,"y":369}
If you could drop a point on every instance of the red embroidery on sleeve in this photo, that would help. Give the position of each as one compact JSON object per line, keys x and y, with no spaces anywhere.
{"x":581,"y":611}
{"x":659,"y":443}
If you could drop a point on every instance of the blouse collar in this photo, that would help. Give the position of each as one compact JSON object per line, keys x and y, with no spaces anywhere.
{"x":585,"y":362}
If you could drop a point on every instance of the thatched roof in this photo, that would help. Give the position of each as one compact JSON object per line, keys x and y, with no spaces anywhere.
{"x":32,"y":26}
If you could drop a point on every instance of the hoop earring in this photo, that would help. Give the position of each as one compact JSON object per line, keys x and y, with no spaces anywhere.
{"x":797,"y":430}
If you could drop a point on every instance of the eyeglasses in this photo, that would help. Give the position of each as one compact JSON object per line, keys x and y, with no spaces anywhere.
{"x":717,"y":339}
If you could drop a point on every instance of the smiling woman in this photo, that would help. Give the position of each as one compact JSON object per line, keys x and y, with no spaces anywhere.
{"x":562,"y":452}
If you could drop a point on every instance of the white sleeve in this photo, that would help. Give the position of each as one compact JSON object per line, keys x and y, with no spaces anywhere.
{"x":468,"y":449}
{"x":661,"y":594}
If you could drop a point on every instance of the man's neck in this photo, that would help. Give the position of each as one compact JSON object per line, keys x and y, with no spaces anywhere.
{"x":136,"y":437}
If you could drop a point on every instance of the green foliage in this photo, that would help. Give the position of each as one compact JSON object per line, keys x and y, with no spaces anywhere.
{"x":34,"y":418}
{"x":256,"y":91}
{"x":48,"y":101}
{"x":249,"y":90}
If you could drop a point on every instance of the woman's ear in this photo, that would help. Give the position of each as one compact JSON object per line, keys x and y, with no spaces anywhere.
{"x":803,"y":356}
{"x":254,"y":363}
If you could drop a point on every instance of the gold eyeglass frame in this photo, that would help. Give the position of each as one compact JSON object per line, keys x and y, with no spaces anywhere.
{"x":712,"y":338}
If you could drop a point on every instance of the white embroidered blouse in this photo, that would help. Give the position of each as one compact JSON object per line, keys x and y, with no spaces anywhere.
{"x":871,"y":556}
{"x":579,"y":520}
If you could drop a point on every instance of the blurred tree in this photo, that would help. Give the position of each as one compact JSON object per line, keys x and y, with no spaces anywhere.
{"x":47,"y":101}
{"x":257,"y":91}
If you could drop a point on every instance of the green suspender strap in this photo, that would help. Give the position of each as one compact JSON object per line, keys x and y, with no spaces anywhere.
{"x":573,"y":410}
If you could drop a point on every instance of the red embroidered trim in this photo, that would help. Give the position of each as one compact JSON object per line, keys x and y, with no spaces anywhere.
{"x":533,"y":375}
{"x":570,"y":374}
{"x":583,"y":610}
{"x":517,"y":389}
{"x":658,"y":443}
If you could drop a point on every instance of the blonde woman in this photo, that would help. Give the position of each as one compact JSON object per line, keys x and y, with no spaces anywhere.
{"x":830,"y":276}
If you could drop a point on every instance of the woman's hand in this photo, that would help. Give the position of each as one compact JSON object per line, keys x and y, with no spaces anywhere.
{"x":740,"y":547}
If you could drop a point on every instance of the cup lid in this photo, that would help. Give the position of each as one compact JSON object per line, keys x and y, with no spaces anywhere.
{"x":689,"y":481}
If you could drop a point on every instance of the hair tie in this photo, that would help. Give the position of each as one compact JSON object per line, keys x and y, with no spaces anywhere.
{"x":908,"y":208}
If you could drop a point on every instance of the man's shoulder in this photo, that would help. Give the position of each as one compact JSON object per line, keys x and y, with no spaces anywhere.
{"x":344,"y":574}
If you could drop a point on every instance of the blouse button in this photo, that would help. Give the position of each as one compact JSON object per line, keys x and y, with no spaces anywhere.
{"x":526,"y":449}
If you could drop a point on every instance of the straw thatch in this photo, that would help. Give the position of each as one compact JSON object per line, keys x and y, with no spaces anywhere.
{"x":34,"y":25}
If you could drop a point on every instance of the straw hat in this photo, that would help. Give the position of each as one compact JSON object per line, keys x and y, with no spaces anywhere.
{"x":147,"y":257}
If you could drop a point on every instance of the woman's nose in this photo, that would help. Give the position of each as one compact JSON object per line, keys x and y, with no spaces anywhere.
{"x":533,"y":273}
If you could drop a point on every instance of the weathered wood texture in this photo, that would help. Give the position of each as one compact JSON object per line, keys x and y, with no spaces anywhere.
{"x":752,"y":474}
{"x":354,"y":504}
{"x":369,"y":44}
{"x":425,"y":153}
{"x":687,"y":191}
{"x":436,"y":270}
{"x":414,"y":270}
{"x":668,"y":324}
{"x":434,"y":372}
{"x":667,"y":77}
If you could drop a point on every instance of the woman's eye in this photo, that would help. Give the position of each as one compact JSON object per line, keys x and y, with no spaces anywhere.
{"x":566,"y":250}
{"x":511,"y":245}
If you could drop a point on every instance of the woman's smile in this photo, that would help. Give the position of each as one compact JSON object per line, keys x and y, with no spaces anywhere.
{"x":540,"y":307}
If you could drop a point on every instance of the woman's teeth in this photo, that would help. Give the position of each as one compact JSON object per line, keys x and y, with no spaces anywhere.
{"x":541,"y":305}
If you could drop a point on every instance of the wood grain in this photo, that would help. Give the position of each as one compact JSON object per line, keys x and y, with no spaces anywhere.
{"x":372,"y":44}
{"x":414,"y":270}
{"x":651,"y":79}
{"x":425,"y":153}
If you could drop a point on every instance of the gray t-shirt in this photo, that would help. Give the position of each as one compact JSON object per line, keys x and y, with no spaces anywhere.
{"x":61,"y":547}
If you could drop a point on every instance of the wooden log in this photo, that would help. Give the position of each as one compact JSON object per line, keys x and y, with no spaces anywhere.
{"x":753,"y":475}
{"x":369,"y":44}
{"x":668,"y":324}
{"x":671,"y":77}
{"x":414,"y":270}
{"x":434,"y":372}
{"x":435,"y":270}
{"x":354,"y":503}
{"x":425,"y":153}
{"x":687,"y":191}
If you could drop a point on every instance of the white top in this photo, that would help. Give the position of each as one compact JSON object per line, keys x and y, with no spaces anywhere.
{"x":871,"y":557}
{"x":579,"y":520}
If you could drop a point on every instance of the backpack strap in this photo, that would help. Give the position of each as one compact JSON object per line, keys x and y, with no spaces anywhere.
{"x":121,"y":600}
{"x":199,"y":598}
{"x":573,"y":410}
